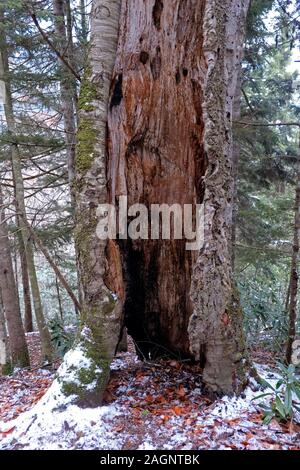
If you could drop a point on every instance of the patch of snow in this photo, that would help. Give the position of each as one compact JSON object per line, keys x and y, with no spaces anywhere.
{"x":232,"y":407}
{"x":76,"y":360}
{"x":147,"y":445}
{"x":55,"y":423}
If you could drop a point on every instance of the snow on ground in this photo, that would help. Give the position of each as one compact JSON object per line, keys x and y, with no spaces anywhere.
{"x":54,"y":422}
{"x":148,"y":406}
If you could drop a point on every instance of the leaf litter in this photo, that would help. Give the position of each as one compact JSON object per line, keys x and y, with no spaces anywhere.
{"x":146,"y":406}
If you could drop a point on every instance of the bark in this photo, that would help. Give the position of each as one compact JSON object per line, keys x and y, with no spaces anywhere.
{"x":17,"y":341}
{"x":20,"y":201}
{"x":235,"y":163}
{"x":168,"y":141}
{"x":28,"y":322}
{"x":101,"y":310}
{"x":67,"y":86}
{"x":5,"y":364}
{"x":156,"y":155}
{"x":215,"y":328}
{"x":294,"y":276}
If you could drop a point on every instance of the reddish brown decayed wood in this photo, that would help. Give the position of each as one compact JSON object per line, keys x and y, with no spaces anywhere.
{"x":155,"y":146}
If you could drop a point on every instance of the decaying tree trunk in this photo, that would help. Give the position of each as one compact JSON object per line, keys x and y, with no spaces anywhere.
{"x":216,"y":324}
{"x":17,"y":341}
{"x":162,"y":135}
{"x":169,"y":141}
{"x":294,"y":275}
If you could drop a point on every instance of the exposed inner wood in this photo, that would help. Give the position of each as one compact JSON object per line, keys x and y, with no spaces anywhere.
{"x":155,"y":156}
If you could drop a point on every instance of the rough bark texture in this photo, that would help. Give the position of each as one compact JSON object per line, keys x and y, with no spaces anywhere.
{"x":101,"y":312}
{"x":294,"y":276}
{"x":18,"y":346}
{"x":156,"y":156}
{"x":215,"y":328}
{"x":170,"y":142}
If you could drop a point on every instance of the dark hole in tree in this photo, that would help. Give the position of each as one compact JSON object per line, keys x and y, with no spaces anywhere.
{"x":156,"y":13}
{"x":117,"y":95}
{"x":144,"y":57}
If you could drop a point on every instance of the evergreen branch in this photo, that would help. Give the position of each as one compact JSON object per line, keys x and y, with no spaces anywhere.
{"x":52,"y":45}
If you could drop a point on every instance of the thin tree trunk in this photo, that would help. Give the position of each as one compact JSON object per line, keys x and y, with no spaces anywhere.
{"x":67,"y":87}
{"x":28,"y":322}
{"x":84,"y":23}
{"x":20,"y":201}
{"x":5,"y":364}
{"x":68,"y":92}
{"x":17,"y":341}
{"x":59,"y":299}
{"x":294,"y":276}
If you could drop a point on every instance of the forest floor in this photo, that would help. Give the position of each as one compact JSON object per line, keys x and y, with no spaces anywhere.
{"x":147,"y":406}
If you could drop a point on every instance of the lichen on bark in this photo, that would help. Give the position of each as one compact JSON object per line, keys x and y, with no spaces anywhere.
{"x":101,"y":308}
{"x":215,"y":327}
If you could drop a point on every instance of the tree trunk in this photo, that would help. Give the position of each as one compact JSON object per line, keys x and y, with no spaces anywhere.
{"x":215,"y":329}
{"x":5,"y":364}
{"x":28,"y":323}
{"x":61,"y":313}
{"x":67,"y":87}
{"x":84,"y":32}
{"x":17,"y":341}
{"x":168,"y":140}
{"x":20,"y":201}
{"x":101,"y":310}
{"x":294,"y":276}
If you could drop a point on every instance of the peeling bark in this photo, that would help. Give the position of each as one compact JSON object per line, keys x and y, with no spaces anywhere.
{"x":168,"y":113}
{"x":215,"y":328}
{"x":156,"y":156}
